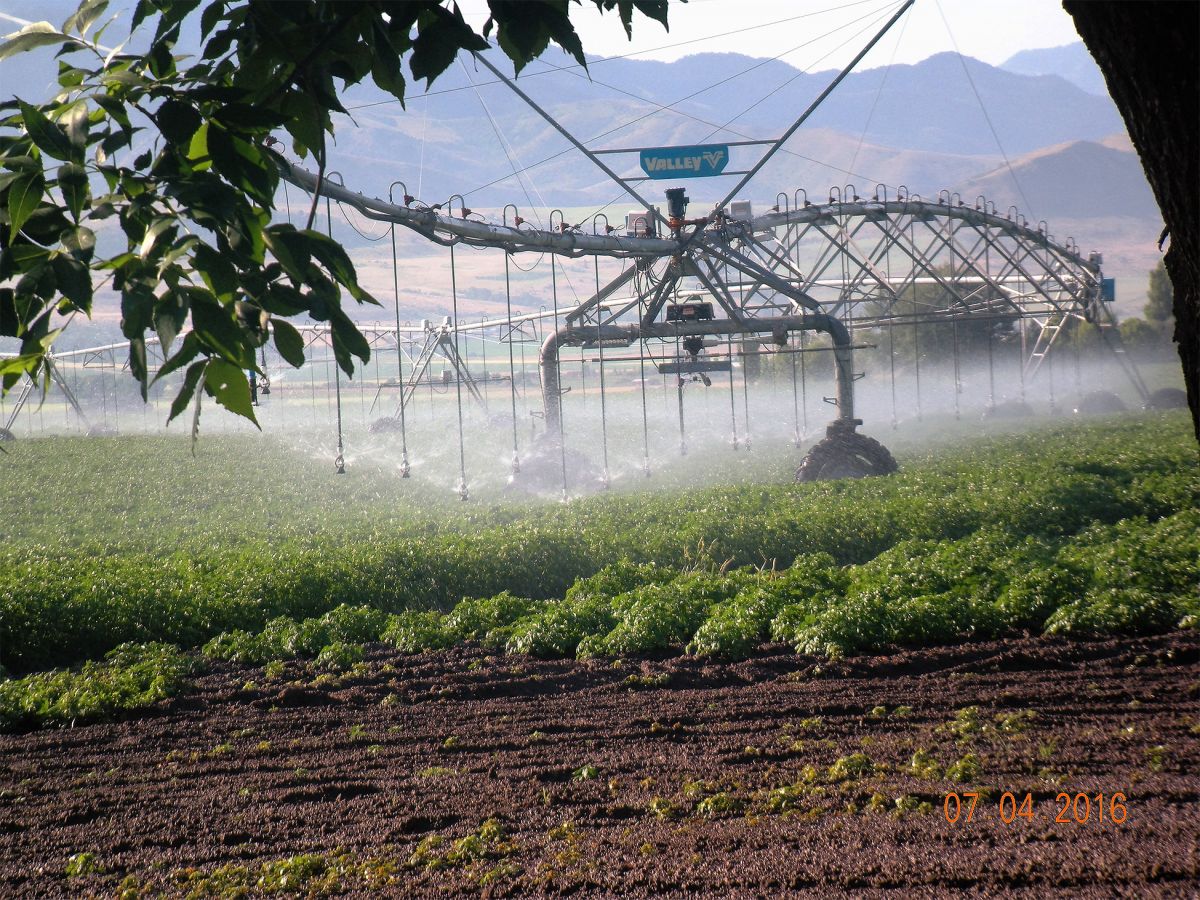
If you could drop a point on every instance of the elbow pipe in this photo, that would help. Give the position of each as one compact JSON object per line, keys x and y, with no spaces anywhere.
{"x":625,"y":335}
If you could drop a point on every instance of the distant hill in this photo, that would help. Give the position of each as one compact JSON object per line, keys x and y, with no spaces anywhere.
{"x":1075,"y":180}
{"x":921,"y":125}
{"x":1070,"y":61}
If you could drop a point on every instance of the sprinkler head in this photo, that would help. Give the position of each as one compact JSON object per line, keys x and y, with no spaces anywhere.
{"x":462,"y":491}
{"x":404,"y":467}
{"x":646,"y":466}
{"x":516,"y":464}
{"x":339,"y":465}
{"x":605,"y":480}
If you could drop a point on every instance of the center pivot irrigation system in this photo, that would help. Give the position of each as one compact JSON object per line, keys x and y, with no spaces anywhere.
{"x":732,"y":279}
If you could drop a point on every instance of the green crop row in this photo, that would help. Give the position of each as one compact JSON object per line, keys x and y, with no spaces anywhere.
{"x":182,"y":564}
{"x":919,"y":593}
{"x":1133,"y":577}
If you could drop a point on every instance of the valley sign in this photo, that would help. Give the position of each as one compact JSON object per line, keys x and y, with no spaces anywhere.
{"x":685,"y":162}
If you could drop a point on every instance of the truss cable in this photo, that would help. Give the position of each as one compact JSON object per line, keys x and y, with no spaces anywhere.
{"x":878,"y":16}
{"x":603,"y":403}
{"x":421,"y":165}
{"x":604,"y":59}
{"x":512,"y":381}
{"x":562,"y":432}
{"x":670,"y":106}
{"x":642,"y":368}
{"x":879,"y":92}
{"x":982,"y":108}
{"x":509,"y":152}
{"x":405,"y":468}
{"x":458,"y":380}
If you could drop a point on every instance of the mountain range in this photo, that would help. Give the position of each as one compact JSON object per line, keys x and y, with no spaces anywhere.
{"x":1038,"y":132}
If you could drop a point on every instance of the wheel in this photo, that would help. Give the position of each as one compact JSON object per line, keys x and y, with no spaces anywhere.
{"x":541,"y":469}
{"x":6,"y":435}
{"x":844,"y":453}
{"x":1167,"y":398}
{"x":386,"y":425}
{"x":1099,"y":403}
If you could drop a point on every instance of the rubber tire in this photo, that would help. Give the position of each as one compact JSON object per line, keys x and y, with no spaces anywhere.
{"x":6,"y":435}
{"x":846,"y":455}
{"x":1100,"y":403}
{"x":386,"y":425}
{"x":1167,"y":398}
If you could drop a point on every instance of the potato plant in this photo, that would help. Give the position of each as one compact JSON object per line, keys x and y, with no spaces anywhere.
{"x":1085,"y":530}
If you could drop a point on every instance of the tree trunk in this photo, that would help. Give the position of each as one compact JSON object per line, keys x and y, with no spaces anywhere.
{"x":1148,"y":54}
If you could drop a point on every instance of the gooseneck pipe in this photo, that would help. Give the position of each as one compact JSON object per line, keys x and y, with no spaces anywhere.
{"x":625,"y":335}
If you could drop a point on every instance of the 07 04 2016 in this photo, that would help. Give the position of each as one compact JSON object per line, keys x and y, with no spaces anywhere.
{"x":1078,"y":808}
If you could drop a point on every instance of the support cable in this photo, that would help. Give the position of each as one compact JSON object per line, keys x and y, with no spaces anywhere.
{"x":603,"y":402}
{"x":982,"y":108}
{"x":512,"y":380}
{"x":405,"y":468}
{"x":339,"y":461}
{"x":458,"y":380}
{"x":562,"y":434}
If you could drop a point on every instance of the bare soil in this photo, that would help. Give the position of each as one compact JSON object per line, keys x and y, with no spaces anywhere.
{"x":669,"y":777}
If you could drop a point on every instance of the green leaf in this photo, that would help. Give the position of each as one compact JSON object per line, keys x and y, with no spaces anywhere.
{"x":80,"y":242}
{"x":74,"y":280}
{"x":33,"y":35}
{"x":170,"y":312}
{"x":76,"y":121}
{"x":227,"y":384}
{"x":289,"y":247}
{"x":10,"y":318}
{"x":197,"y":152}
{"x":441,"y":34}
{"x":218,"y":273}
{"x":190,"y":380}
{"x":24,"y":195}
{"x":214,"y":325}
{"x":48,"y":137}
{"x":335,"y":260}
{"x":137,"y":363}
{"x":73,"y":182}
{"x":178,"y":121}
{"x":188,"y":350}
{"x":347,"y":339}
{"x":240,"y":164}
{"x":289,"y":342}
{"x":85,"y":16}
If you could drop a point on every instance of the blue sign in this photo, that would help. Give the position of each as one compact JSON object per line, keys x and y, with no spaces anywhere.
{"x":685,"y":162}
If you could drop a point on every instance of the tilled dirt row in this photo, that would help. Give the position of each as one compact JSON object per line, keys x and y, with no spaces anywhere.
{"x":460,"y":772}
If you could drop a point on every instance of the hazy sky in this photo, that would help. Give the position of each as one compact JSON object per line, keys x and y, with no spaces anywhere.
{"x":809,"y":34}
{"x":990,"y":30}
